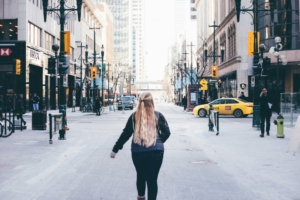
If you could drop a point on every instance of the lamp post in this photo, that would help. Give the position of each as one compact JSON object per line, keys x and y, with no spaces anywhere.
{"x":280,"y":58}
{"x":81,"y":79}
{"x":102,"y":71}
{"x":214,"y":54}
{"x":64,"y":67}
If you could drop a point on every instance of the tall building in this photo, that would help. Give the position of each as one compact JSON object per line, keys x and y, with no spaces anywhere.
{"x":138,"y":26}
{"x":121,"y":12}
{"x":179,"y":17}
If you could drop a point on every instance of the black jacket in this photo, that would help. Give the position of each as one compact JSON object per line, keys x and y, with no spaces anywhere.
{"x":128,"y":131}
{"x":35,"y":99}
{"x":264,"y":101}
{"x":243,"y":97}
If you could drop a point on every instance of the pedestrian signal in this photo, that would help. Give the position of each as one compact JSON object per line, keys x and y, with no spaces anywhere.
{"x":18,"y":67}
{"x":214,"y":71}
{"x":93,"y":72}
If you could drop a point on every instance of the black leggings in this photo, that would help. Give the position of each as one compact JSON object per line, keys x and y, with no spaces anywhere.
{"x":147,"y":165}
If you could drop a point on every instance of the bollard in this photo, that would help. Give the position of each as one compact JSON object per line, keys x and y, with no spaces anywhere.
{"x":256,"y":117}
{"x":210,"y":124}
{"x":280,"y":128}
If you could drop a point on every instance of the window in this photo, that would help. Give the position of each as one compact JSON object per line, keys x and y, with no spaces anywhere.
{"x":231,"y":101}
{"x":34,"y":34}
{"x":49,"y":41}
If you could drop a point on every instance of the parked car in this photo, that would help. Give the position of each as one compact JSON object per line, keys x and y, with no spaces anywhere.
{"x":134,"y":100}
{"x":226,"y":106}
{"x":125,"y":102}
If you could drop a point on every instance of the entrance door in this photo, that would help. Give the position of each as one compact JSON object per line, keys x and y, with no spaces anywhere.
{"x":36,"y":84}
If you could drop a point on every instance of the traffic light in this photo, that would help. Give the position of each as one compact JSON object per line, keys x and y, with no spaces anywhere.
{"x":257,"y":70}
{"x":266,"y":66}
{"x":93,"y":72}
{"x":18,"y":67}
{"x":67,"y":42}
{"x":51,"y":65}
{"x":214,"y":71}
{"x":64,"y":63}
{"x":251,"y":42}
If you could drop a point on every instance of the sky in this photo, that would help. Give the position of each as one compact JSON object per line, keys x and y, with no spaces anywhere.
{"x":159,"y":24}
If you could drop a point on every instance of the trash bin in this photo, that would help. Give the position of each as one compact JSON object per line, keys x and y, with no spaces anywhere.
{"x":39,"y":119}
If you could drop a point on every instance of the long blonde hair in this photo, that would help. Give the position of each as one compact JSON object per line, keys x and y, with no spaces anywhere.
{"x":145,"y":132}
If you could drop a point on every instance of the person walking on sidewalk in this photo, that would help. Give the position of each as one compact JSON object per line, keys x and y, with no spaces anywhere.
{"x":184,"y":103}
{"x":266,"y":102}
{"x":150,"y":130}
{"x":35,"y":101}
{"x":97,"y":104}
{"x":242,"y":96}
{"x":20,"y":108}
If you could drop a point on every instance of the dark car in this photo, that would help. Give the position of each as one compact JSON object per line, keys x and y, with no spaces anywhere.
{"x":125,"y":102}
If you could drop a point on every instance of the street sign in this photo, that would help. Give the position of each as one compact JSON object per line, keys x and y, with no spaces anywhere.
{"x":211,"y":81}
{"x":243,"y":86}
{"x":203,"y":84}
{"x":203,"y":81}
{"x":5,"y":52}
{"x":252,"y":81}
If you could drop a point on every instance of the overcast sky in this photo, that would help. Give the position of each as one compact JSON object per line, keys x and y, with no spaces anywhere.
{"x":159,"y":35}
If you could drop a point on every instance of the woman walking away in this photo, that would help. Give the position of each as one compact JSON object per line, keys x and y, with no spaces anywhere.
{"x":150,"y":130}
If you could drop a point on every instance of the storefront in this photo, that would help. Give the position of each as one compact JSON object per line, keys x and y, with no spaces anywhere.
{"x":228,"y":85}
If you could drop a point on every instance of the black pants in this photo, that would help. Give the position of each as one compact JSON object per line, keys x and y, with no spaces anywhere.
{"x":21,"y":117}
{"x":97,"y":111}
{"x":264,"y":118}
{"x":184,"y":107}
{"x":147,"y":165}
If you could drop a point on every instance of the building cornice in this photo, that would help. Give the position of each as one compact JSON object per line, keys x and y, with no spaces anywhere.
{"x":230,"y":62}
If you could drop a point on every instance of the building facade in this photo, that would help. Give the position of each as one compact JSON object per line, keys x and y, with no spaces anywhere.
{"x":31,"y":41}
{"x":237,"y":65}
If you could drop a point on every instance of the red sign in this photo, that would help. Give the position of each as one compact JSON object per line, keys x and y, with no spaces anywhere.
{"x":5,"y":52}
{"x":227,"y":107}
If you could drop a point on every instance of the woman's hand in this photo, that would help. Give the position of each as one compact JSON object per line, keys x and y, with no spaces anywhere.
{"x":112,"y":155}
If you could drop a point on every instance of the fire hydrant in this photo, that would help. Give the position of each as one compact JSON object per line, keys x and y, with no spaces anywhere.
{"x":280,"y":128}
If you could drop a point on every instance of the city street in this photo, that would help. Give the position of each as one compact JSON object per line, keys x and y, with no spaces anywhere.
{"x":198,"y":165}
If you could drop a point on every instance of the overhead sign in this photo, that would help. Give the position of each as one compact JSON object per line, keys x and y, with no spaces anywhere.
{"x":5,"y":52}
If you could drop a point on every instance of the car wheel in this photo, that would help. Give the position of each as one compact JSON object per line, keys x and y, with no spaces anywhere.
{"x":245,"y":115}
{"x":238,"y":113}
{"x":202,"y":113}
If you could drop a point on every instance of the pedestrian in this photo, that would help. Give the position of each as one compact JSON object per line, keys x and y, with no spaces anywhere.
{"x":97,"y":105}
{"x":20,"y":108}
{"x":184,"y":103}
{"x":242,"y":96}
{"x":266,"y":103}
{"x":208,"y":99}
{"x":35,"y":101}
{"x":203,"y":100}
{"x":150,"y":130}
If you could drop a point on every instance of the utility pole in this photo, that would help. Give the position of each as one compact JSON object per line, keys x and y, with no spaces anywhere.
{"x":94,"y":64}
{"x":191,"y":61}
{"x":81,"y":79}
{"x":108,"y":83}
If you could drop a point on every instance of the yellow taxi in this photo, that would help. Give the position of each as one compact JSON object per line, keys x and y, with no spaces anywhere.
{"x":226,"y":106}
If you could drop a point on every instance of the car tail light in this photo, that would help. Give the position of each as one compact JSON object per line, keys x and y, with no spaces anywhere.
{"x":249,"y":105}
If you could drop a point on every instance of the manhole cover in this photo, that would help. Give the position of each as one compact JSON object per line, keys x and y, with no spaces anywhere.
{"x":204,"y":162}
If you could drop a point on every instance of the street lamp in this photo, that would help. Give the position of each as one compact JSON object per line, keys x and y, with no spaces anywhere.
{"x":280,"y":58}
{"x":64,"y":67}
{"x":102,"y":71}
